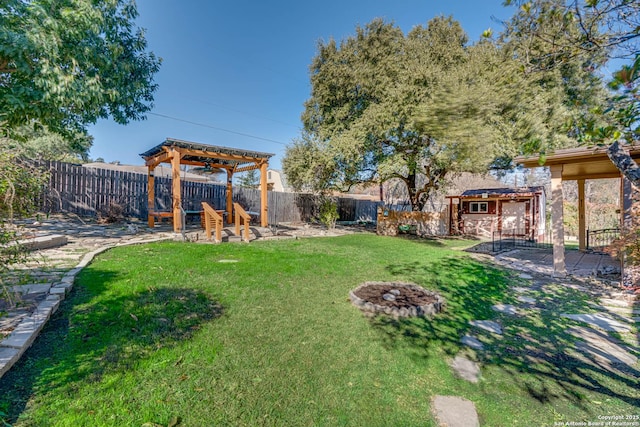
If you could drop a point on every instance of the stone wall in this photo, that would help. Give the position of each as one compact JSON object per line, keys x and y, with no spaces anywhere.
{"x":392,"y":223}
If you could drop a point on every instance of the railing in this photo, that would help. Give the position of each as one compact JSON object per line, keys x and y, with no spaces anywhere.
{"x":600,"y":239}
{"x":211,"y":217}
{"x":512,"y":238}
{"x":242,"y":215}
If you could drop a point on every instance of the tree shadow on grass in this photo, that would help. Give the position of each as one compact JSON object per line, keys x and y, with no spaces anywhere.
{"x":90,"y":336}
{"x":469,"y":288}
{"x":536,"y":349}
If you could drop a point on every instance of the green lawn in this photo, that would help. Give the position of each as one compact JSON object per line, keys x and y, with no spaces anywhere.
{"x":170,"y":333}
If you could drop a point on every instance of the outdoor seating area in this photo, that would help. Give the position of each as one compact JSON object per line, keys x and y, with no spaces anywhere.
{"x":179,"y":152}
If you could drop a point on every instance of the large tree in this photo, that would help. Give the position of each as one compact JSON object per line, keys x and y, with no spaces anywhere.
{"x":553,"y":33}
{"x":66,"y":63}
{"x":418,"y":108}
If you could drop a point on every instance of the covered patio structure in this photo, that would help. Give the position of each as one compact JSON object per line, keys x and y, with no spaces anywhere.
{"x":577,"y":164}
{"x":232,"y":160}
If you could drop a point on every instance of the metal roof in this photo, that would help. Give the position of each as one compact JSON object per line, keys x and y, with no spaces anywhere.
{"x":501,"y":192}
{"x":209,"y":149}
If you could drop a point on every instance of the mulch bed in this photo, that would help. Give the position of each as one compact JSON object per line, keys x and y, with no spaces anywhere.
{"x":408,"y":297}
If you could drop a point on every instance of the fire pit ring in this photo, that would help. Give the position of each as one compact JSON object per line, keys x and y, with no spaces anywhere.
{"x":396,"y":299}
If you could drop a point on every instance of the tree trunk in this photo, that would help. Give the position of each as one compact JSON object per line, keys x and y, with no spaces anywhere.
{"x":414,"y":197}
{"x":623,"y":161}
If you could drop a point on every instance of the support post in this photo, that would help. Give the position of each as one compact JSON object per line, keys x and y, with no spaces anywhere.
{"x":582,"y":222}
{"x":557,"y":226}
{"x":229,"y":196}
{"x":176,"y":192}
{"x":151,"y":199}
{"x":264,"y":219}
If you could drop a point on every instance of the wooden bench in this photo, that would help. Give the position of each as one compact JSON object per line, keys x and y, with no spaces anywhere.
{"x":156,"y":215}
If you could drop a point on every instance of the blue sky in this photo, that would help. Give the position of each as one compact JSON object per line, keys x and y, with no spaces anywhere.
{"x":235,"y":73}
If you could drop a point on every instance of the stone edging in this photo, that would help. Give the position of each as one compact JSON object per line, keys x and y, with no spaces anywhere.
{"x":20,"y":339}
{"x":430,"y":309}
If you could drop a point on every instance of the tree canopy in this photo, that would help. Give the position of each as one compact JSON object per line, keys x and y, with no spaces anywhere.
{"x":66,"y":63}
{"x":552,"y":33}
{"x":418,"y":108}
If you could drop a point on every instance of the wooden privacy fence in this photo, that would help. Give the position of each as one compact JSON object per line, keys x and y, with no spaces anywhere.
{"x":91,"y":191}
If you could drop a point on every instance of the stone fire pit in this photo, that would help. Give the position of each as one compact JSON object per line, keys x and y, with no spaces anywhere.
{"x":396,"y":299}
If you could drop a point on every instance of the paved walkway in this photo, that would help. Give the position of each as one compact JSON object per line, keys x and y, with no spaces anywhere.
{"x":579,"y":264}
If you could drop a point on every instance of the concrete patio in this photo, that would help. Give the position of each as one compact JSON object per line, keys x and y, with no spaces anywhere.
{"x":579,"y":264}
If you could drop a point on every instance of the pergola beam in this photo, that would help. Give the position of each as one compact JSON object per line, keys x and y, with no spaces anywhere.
{"x":214,"y":155}
{"x":160,"y":158}
{"x":247,"y":168}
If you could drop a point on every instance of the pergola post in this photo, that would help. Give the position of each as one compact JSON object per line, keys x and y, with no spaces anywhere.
{"x":582,"y":222}
{"x":151,"y":193}
{"x":229,"y":194}
{"x":176,"y":190}
{"x":557,"y":226}
{"x":264,"y":220}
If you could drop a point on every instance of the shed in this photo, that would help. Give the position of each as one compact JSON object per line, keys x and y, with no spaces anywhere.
{"x":513,"y":211}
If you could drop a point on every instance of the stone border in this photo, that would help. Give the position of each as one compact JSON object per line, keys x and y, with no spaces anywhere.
{"x":426,"y":310}
{"x":13,"y":346}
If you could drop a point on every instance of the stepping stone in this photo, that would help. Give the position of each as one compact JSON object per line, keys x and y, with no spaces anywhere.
{"x":614,"y":302}
{"x":526,"y":300}
{"x":472,"y":342}
{"x":466,"y":369}
{"x":602,"y":347}
{"x":505,"y":309}
{"x":487,"y":325}
{"x":34,"y":288}
{"x":525,"y":276}
{"x":574,"y":286}
{"x":44,"y":242}
{"x":452,"y":411}
{"x":228,"y":261}
{"x":601,"y":320}
{"x":519,"y":289}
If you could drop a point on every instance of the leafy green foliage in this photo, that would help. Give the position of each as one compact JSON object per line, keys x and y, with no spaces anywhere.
{"x":577,"y":38}
{"x":20,"y":184}
{"x":250,"y":179}
{"x":68,"y":63}
{"x":376,"y":108}
{"x":328,"y":213}
{"x":36,"y":142}
{"x":420,"y":108}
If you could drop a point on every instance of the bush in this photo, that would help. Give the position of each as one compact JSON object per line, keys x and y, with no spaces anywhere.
{"x":328,"y":213}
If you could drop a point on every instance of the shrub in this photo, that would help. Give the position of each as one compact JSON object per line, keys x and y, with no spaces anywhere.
{"x":328,"y":213}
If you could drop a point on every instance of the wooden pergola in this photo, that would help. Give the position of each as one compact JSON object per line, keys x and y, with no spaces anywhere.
{"x":577,"y":164}
{"x":232,"y":160}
